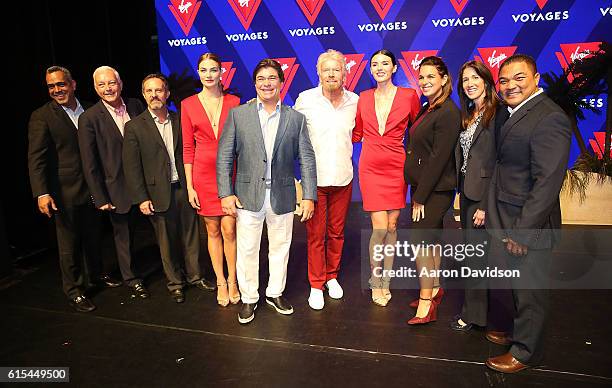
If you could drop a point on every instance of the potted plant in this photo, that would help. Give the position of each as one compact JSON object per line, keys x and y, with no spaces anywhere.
{"x":586,"y":197}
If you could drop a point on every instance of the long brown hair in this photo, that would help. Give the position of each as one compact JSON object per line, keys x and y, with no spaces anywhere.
{"x":447,"y":89}
{"x":491,"y":99}
{"x":215,"y":58}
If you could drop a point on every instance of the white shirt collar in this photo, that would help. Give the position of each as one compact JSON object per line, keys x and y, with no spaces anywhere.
{"x":512,"y":111}
{"x":76,"y":110}
{"x":260,"y":105}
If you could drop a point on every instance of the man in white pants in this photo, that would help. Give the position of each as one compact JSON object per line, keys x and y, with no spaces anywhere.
{"x":263,"y":139}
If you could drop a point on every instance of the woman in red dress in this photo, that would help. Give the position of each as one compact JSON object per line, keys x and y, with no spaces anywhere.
{"x":202,"y":119}
{"x":383,"y":114}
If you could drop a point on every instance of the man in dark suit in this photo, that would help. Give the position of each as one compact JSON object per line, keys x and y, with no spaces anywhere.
{"x":263,"y":139}
{"x":56,"y":177}
{"x":523,"y":211}
{"x":101,"y":141}
{"x":155,"y":175}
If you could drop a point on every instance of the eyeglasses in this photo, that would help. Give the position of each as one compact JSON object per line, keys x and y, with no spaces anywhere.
{"x":270,"y":79}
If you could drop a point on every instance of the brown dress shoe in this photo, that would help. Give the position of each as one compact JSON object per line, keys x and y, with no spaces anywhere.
{"x":498,"y":337}
{"x":506,"y":363}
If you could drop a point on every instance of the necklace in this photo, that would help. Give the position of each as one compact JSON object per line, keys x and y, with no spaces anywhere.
{"x":382,"y":106}
{"x":214,"y":117}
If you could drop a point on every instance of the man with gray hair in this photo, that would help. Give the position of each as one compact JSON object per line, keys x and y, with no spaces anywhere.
{"x":101,"y":143}
{"x":330,"y":112}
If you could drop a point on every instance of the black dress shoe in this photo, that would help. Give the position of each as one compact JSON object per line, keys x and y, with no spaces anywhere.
{"x":178,"y":295}
{"x":455,"y":325}
{"x":139,"y":290}
{"x":106,"y":281}
{"x":82,"y":304}
{"x":205,"y":285}
{"x":247,"y":312}
{"x":280,"y":304}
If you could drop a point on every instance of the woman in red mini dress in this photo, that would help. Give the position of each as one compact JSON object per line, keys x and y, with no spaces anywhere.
{"x":383,"y":114}
{"x":202,"y":119}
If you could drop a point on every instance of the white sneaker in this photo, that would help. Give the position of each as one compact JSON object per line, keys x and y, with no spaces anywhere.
{"x":335,"y":291}
{"x":315,"y":300}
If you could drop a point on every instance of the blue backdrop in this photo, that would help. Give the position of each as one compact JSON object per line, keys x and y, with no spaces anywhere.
{"x":295,"y":32}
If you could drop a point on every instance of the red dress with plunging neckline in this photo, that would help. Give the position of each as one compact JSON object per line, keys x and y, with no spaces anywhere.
{"x":200,"y":149}
{"x":381,"y":164}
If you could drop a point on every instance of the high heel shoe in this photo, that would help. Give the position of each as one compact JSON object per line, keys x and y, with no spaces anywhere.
{"x":432,"y":315}
{"x":223,"y":302}
{"x":387,"y":294}
{"x":234,"y":299}
{"x":379,"y":300}
{"x":436,"y":299}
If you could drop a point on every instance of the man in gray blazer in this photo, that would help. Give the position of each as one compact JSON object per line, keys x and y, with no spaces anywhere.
{"x":523,"y":209}
{"x":263,"y":139}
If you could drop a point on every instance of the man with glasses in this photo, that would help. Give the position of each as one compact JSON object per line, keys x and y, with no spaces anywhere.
{"x":263,"y":139}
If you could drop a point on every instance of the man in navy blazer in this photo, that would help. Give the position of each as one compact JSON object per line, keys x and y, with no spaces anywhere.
{"x":263,"y":139}
{"x":101,"y":143}
{"x":58,"y":185}
{"x":523,"y":211}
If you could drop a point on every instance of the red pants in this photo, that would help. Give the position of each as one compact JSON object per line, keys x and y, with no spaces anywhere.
{"x":327,"y":223}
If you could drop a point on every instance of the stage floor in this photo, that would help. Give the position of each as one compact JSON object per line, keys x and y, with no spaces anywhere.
{"x":129,"y":342}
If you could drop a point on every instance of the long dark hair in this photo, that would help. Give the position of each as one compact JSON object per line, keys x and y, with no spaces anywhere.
{"x":491,"y":99}
{"x":447,"y":89}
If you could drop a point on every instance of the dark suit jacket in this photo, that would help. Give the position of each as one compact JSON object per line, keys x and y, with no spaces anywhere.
{"x":481,"y":159}
{"x":532,"y":154}
{"x":54,"y":160}
{"x":101,"y":145}
{"x":146,"y":162}
{"x":430,"y":156}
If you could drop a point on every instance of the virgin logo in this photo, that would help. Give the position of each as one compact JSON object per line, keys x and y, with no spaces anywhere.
{"x":185,"y":13}
{"x":227,"y":74}
{"x":289,"y":69}
{"x":571,"y":52}
{"x":245,"y":10}
{"x":382,"y":7}
{"x":495,"y":61}
{"x":541,"y":3}
{"x":311,"y":9}
{"x":459,"y":5}
{"x":354,"y":68}
{"x":495,"y":56}
{"x":410,"y":63}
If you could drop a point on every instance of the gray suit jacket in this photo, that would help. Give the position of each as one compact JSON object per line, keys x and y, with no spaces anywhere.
{"x":532,"y":155}
{"x":242,"y":143}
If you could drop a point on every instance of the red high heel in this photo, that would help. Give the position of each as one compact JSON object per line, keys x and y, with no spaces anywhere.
{"x":432,"y":315}
{"x":436,"y":299}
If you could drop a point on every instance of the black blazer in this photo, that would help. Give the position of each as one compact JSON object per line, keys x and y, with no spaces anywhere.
{"x":54,"y":161}
{"x":532,"y":154}
{"x":481,"y":159}
{"x":101,"y":144}
{"x":430,"y":156}
{"x":146,"y":161}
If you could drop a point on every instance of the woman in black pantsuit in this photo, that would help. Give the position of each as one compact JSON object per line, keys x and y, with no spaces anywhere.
{"x":475,"y":158}
{"x":430,"y":171}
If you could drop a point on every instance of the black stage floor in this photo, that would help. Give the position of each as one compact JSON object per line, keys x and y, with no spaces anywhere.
{"x":129,"y":342}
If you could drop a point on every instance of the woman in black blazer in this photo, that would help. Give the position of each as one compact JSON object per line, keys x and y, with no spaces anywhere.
{"x":430,"y":171}
{"x":475,"y":158}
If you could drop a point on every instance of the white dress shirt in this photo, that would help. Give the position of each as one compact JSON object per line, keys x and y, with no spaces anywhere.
{"x":165,"y":130}
{"x":74,"y":114}
{"x":269,"y":127}
{"x":512,"y":111}
{"x":330,"y":131}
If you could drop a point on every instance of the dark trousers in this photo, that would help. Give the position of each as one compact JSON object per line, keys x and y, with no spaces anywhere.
{"x":78,"y":232}
{"x":176,"y":230}
{"x":123,"y":233}
{"x":476,"y":293}
{"x":531,"y":300}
